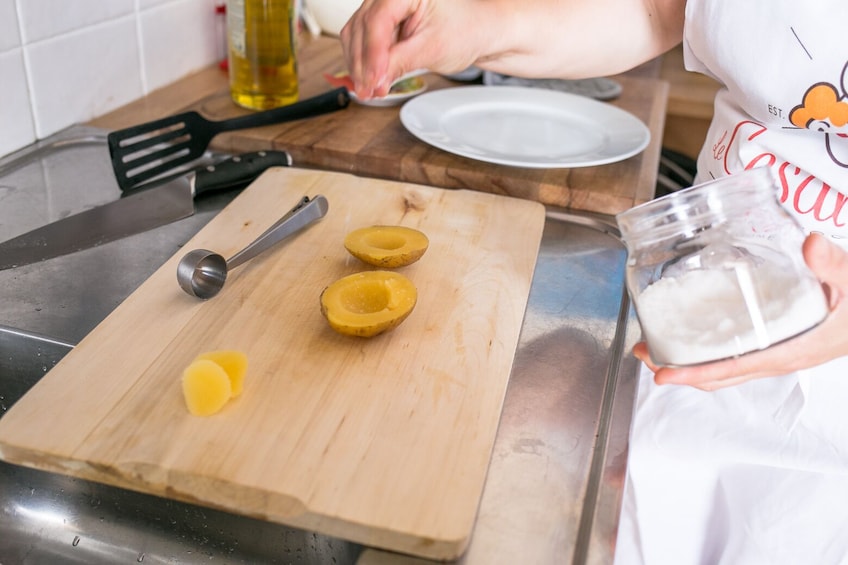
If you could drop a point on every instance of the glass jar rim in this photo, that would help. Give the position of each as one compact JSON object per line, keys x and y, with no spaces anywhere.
{"x":692,"y":209}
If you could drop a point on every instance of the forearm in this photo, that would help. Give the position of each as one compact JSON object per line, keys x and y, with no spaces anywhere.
{"x":563,"y":38}
{"x":533,"y":38}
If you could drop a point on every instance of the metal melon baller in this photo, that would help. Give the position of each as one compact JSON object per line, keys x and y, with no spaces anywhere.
{"x":202,"y":273}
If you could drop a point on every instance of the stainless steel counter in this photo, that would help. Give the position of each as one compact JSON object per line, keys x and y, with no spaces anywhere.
{"x":556,"y":476}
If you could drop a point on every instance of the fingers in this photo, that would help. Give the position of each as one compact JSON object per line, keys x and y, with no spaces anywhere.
{"x":779,"y":360}
{"x":829,"y":263}
{"x":640,"y":351}
{"x":388,"y":38}
{"x":698,"y":377}
{"x":368,"y":39}
{"x":713,"y":376}
{"x":709,"y":376}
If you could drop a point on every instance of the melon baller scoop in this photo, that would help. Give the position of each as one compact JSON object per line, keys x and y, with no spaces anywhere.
{"x":202,"y":273}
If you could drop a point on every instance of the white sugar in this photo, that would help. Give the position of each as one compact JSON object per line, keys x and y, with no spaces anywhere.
{"x":709,"y":314}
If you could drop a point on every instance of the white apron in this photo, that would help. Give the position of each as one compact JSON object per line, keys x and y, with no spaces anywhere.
{"x":757,"y":473}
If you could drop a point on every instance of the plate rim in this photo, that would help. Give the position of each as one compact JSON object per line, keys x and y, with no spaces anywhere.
{"x":511,"y":93}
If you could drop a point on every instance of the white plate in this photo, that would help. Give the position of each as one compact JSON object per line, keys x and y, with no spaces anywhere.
{"x":524,"y":127}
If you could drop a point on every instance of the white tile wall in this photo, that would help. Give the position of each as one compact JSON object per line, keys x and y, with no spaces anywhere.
{"x":68,"y":61}
{"x":10,"y":37}
{"x":43,"y":19}
{"x":15,"y":114}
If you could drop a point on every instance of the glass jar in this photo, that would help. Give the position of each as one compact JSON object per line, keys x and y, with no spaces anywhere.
{"x":716,"y":271}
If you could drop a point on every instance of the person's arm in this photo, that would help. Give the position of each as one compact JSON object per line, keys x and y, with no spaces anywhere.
{"x":825,"y":342}
{"x":529,"y":38}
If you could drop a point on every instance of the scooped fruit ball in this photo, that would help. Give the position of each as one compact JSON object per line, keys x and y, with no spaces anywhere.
{"x":212,"y":379}
{"x":206,"y":387}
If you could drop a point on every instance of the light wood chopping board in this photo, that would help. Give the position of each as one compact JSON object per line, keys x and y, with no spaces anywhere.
{"x":383,"y":441}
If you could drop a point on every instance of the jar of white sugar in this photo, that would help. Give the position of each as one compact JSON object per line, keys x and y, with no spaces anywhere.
{"x":716,"y":271}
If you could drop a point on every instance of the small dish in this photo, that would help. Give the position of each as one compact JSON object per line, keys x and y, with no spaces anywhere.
{"x":403,"y":89}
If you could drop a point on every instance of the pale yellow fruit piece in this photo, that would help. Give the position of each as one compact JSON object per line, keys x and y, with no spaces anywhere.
{"x":388,"y":247}
{"x":234,"y":364}
{"x":206,"y":387}
{"x":367,"y":304}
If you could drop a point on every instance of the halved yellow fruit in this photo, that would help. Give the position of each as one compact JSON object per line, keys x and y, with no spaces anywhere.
{"x":387,"y":246}
{"x":369,"y":303}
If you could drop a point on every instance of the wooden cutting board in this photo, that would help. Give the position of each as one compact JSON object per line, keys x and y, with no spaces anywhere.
{"x":383,"y":441}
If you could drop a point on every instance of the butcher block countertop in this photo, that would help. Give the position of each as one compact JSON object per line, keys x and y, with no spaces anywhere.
{"x":371,"y":142}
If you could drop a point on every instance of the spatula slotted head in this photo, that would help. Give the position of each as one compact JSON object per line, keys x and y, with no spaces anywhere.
{"x":143,"y":152}
{"x":147,"y":151}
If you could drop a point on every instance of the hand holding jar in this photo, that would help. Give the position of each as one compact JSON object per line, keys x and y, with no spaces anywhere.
{"x":718,"y":278}
{"x":826,"y":341}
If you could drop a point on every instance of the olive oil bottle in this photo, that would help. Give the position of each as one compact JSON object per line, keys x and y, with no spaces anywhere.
{"x":262,"y":53}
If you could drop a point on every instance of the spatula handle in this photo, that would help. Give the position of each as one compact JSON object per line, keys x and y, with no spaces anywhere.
{"x":322,"y":104}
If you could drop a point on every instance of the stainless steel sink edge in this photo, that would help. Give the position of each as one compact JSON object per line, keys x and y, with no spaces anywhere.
{"x":25,"y":357}
{"x":598,"y":528}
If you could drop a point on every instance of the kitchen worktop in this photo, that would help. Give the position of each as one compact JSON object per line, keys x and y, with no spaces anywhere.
{"x":554,"y":483}
{"x":371,"y":141}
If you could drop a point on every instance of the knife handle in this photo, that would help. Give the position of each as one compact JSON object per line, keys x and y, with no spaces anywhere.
{"x":237,"y":171}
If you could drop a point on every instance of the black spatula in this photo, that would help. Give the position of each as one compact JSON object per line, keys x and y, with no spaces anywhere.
{"x":144,"y":152}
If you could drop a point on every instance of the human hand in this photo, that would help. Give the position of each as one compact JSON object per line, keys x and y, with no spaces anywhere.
{"x":385,"y":39}
{"x":826,"y":341}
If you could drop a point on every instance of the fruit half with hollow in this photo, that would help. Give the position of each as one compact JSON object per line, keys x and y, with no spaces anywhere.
{"x":368,"y":303}
{"x":387,"y":247}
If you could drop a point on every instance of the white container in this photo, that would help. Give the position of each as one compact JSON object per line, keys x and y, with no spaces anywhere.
{"x":332,"y":15}
{"x":716,"y":271}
